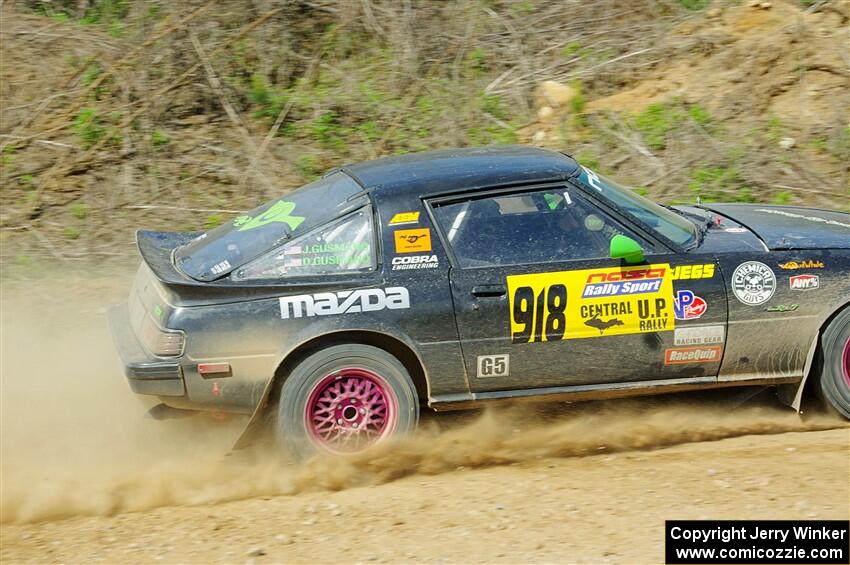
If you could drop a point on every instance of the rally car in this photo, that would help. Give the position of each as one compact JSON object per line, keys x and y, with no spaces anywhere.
{"x":460,"y":277}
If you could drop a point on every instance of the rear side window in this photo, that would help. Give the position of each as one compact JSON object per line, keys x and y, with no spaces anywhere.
{"x":249,"y":236}
{"x":345,"y":245}
{"x":533,"y":227}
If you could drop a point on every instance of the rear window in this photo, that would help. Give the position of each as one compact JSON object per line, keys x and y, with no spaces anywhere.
{"x":247,"y":237}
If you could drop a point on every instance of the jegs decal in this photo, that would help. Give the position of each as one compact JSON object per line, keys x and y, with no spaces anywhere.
{"x":590,"y":303}
{"x":688,"y":272}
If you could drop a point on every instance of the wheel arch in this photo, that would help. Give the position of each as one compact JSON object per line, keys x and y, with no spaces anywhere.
{"x":814,"y":358}
{"x":396,"y":347}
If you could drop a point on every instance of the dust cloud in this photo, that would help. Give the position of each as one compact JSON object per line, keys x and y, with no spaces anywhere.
{"x":75,"y":442}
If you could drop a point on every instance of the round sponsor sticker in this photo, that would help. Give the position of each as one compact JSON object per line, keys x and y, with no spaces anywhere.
{"x":753,"y":283}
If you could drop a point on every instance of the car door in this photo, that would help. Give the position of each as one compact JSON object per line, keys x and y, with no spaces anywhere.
{"x":539,"y":303}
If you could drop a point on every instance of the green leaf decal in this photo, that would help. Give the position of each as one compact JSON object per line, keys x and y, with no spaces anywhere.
{"x":279,"y":212}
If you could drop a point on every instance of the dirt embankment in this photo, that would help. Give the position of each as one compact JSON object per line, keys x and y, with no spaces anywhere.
{"x":86,"y":478}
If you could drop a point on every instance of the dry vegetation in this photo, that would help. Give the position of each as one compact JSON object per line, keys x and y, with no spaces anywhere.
{"x":119,"y":114}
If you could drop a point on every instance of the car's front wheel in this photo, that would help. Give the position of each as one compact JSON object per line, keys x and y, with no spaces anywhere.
{"x":345,"y":399}
{"x":835,"y":369}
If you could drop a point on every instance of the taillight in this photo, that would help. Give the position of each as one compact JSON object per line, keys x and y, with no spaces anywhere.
{"x":162,"y":342}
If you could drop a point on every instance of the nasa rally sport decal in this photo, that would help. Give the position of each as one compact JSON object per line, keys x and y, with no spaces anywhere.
{"x":590,"y":303}
{"x":753,"y":283}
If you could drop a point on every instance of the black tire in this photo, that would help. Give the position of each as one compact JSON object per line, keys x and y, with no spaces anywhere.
{"x":332,"y":369}
{"x":835,"y":374}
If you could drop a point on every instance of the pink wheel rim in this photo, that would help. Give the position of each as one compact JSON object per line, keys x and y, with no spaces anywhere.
{"x":350,"y":410}
{"x":846,"y":363}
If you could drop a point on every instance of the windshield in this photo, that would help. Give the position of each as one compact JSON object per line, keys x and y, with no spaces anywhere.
{"x":246,"y":237}
{"x":663,"y":220}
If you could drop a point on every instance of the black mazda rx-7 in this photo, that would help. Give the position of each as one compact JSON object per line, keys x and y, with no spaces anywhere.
{"x":460,"y":277}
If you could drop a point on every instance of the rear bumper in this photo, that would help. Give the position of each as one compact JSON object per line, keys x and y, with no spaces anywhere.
{"x":145,"y":374}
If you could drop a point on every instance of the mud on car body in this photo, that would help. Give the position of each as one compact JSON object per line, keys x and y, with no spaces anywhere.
{"x":454,"y":278}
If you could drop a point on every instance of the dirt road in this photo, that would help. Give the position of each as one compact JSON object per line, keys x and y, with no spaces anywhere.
{"x":86,"y":479}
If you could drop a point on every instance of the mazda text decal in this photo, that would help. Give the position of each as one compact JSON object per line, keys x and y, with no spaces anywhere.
{"x":590,"y":303}
{"x":344,"y":302}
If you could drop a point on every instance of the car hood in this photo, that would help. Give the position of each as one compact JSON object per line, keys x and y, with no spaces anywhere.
{"x":790,"y":227}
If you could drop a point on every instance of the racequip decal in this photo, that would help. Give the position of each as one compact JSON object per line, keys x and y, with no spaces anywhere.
{"x":753,"y":283}
{"x":413,"y":241}
{"x":735,"y":230}
{"x":280,"y":211}
{"x":404,"y":218}
{"x":590,"y":303}
{"x":804,"y":282}
{"x":793,"y":265}
{"x":681,"y":355}
{"x":407,"y":262}
{"x":699,"y":335}
{"x":344,"y":302}
{"x":688,"y":306}
{"x":494,"y":366}
{"x":687,"y":272}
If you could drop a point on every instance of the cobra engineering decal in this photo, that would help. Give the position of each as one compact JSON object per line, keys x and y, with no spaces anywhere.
{"x":590,"y":303}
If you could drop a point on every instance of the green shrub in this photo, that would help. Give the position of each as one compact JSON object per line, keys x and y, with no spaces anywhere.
{"x":159,"y":139}
{"x":719,"y":183}
{"x":79,"y":210}
{"x":89,"y":127}
{"x":656,"y":122}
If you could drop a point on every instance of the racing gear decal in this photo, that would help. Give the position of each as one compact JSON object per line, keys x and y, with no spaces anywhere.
{"x":413,"y":241}
{"x":590,"y":303}
{"x":699,"y":335}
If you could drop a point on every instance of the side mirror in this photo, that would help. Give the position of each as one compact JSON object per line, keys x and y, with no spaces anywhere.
{"x":627,"y":249}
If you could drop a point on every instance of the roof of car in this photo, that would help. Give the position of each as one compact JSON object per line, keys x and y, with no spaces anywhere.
{"x":449,"y":170}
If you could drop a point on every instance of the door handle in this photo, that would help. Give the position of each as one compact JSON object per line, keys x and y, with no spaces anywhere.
{"x":489,"y":290}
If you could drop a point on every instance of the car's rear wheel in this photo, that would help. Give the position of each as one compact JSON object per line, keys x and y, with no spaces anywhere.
{"x":345,"y":399}
{"x":835,"y":369}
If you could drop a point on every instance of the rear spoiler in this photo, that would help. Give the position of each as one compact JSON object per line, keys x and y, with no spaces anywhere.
{"x":156,"y":248}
